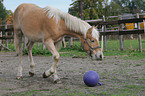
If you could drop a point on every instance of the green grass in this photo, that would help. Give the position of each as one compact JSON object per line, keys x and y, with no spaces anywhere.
{"x":136,"y":87}
{"x":113,"y":49}
{"x":127,"y":90}
{"x":61,"y":92}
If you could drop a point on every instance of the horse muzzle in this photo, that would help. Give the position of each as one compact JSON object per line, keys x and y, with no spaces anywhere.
{"x":97,"y":55}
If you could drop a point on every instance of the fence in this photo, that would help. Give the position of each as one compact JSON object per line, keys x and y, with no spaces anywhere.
{"x":120,"y":29}
{"x":7,"y":34}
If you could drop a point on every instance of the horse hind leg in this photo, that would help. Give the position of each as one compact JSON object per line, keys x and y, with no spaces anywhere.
{"x":58,"y":43}
{"x":18,"y":46}
{"x":32,"y":65}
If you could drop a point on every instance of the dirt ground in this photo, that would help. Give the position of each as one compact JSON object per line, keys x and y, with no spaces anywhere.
{"x":119,"y":75}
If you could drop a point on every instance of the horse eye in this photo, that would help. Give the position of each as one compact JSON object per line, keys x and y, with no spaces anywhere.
{"x":92,"y":41}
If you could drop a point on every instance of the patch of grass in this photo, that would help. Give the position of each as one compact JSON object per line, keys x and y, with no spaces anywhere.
{"x":138,"y":65}
{"x":113,"y":49}
{"x":143,"y":78}
{"x":136,"y":87}
{"x":23,"y":94}
{"x":123,"y":93}
{"x":127,"y":90}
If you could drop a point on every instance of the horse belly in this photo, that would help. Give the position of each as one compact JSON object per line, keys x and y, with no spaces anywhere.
{"x":34,"y":37}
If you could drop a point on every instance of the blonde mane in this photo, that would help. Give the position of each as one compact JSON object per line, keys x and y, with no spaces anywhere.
{"x":73,"y":23}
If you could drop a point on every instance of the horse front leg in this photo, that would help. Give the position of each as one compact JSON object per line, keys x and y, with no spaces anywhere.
{"x":50,"y":45}
{"x":32,"y":65}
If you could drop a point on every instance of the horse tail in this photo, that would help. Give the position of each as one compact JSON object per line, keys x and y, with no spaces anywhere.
{"x":16,"y":43}
{"x":17,"y":28}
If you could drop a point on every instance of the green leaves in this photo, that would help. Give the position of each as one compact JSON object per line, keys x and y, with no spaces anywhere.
{"x":95,"y":9}
{"x":3,"y":12}
{"x":92,"y":9}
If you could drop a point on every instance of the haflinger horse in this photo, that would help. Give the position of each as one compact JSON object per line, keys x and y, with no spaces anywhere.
{"x":48,"y":25}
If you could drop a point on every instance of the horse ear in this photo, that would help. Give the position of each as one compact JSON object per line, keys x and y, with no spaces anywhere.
{"x":96,"y":26}
{"x":89,"y":32}
{"x":90,"y":29}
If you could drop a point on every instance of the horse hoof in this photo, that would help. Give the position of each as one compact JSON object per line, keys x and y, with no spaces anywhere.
{"x":31,"y":74}
{"x":58,"y":81}
{"x":19,"y":77}
{"x":44,"y":75}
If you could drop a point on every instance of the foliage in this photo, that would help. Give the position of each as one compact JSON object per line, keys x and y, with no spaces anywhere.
{"x":111,"y":9}
{"x":91,"y":8}
{"x":3,"y":12}
{"x":94,"y":9}
{"x":9,"y":17}
{"x":130,"y":6}
{"x":1,"y":0}
{"x":0,"y":21}
{"x":76,"y":49}
{"x":5,"y":15}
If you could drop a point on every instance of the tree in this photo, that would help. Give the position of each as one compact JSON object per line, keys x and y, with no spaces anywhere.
{"x":130,"y":6}
{"x":1,"y":0}
{"x":9,"y":17}
{"x":6,"y":16}
{"x":136,"y":6}
{"x":115,"y":9}
{"x":92,"y":9}
{"x":74,"y":9}
{"x":0,"y":21}
{"x":3,"y":12}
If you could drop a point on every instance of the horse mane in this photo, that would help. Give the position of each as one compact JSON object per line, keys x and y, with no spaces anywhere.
{"x":72,"y":22}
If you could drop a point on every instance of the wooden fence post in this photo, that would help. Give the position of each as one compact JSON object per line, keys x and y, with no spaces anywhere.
{"x":6,"y":34}
{"x":121,"y":42}
{"x":1,"y":34}
{"x":70,"y":41}
{"x":102,"y":43}
{"x":105,"y":37}
{"x":121,"y":36}
{"x":105,"y":43}
{"x":139,"y":35}
{"x":43,"y":46}
{"x":38,"y":44}
{"x":144,"y":26}
{"x":140,"y":44}
{"x":63,"y":42}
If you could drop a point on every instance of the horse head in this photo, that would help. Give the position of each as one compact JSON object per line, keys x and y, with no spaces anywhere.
{"x":91,"y":44}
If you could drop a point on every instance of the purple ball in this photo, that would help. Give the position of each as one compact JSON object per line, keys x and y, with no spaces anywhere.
{"x":91,"y":78}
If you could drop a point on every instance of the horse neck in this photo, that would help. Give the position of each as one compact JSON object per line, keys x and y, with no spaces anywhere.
{"x":67,"y":31}
{"x":74,"y":34}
